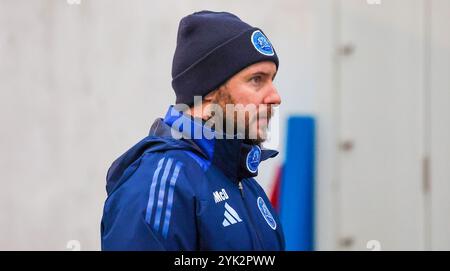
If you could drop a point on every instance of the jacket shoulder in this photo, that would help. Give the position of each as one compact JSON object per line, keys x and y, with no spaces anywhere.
{"x":156,"y":204}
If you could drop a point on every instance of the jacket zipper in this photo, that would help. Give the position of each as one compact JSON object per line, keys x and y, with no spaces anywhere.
{"x":241,"y":188}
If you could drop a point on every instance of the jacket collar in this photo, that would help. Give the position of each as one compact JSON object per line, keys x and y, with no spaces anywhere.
{"x":233,"y":157}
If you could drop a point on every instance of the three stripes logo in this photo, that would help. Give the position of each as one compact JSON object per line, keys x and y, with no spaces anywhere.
{"x":231,"y":216}
{"x":160,"y":199}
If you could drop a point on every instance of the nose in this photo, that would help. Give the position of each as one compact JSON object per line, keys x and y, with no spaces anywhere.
{"x":272,"y":98}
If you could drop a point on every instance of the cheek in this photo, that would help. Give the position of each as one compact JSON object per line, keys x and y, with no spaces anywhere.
{"x":246,"y":95}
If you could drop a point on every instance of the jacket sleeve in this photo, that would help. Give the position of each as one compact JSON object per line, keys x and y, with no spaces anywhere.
{"x":154,"y":209}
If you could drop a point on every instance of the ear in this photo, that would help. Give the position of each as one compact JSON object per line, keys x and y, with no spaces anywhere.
{"x":210,"y":97}
{"x":213,"y":95}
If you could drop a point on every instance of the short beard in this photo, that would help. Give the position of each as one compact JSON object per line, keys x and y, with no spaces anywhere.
{"x":222,"y":98}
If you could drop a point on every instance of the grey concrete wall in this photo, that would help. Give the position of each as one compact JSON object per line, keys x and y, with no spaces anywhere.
{"x":79,"y":84}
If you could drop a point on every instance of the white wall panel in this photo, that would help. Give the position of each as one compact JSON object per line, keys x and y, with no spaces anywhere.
{"x":381,"y":89}
{"x":440,"y":124}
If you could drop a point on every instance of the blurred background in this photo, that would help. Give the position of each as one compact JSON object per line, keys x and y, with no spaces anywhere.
{"x":81,"y":81}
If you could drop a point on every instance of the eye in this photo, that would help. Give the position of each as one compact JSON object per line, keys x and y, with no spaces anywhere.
{"x":256,"y":79}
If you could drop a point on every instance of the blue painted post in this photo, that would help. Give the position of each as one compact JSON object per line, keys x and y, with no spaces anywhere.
{"x":297,"y":184}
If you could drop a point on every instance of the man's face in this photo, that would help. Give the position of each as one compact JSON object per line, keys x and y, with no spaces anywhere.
{"x":247,"y":99}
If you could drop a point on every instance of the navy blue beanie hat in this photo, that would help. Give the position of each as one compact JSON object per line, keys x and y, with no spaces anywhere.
{"x":211,"y":48}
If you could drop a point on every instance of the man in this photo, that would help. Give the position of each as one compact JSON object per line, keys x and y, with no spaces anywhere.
{"x":189,"y":184}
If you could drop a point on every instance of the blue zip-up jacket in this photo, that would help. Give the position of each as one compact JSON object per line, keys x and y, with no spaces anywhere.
{"x":172,"y":193}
